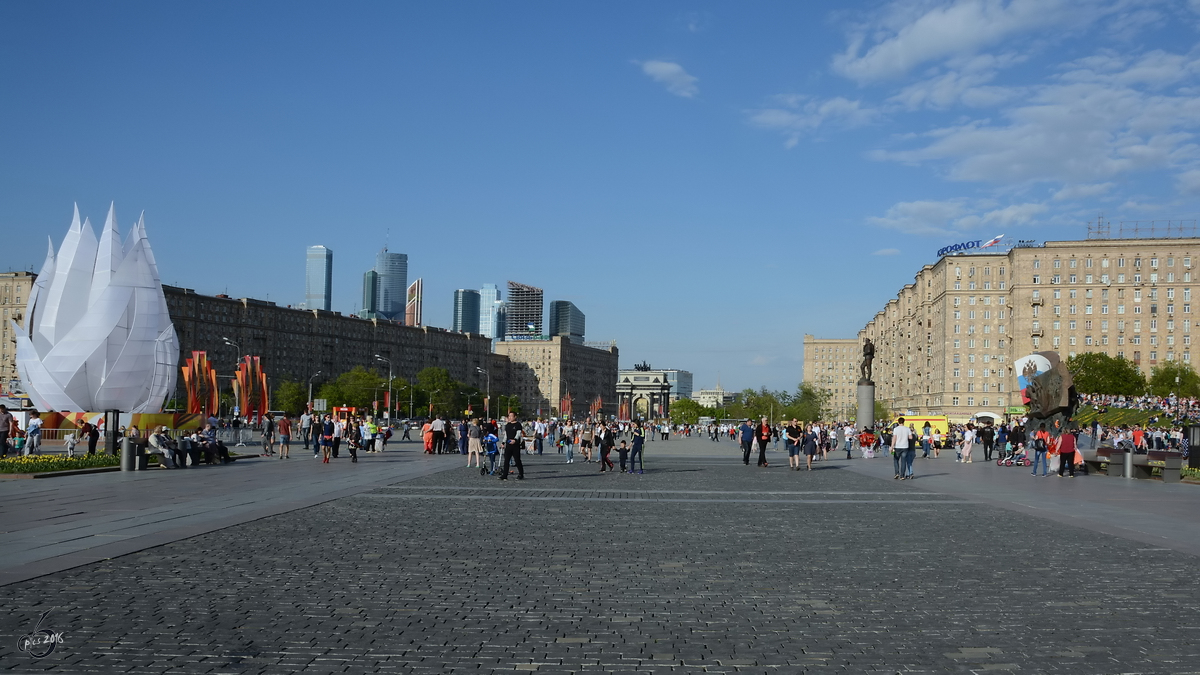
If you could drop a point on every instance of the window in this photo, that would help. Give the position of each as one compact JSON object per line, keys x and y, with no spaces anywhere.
{"x":970,"y":400}
{"x":1057,"y":294}
{"x":1037,"y":279}
{"x":957,"y":286}
{"x":1057,"y":279}
{"x":954,"y":400}
{"x":1072,"y":278}
{"x":956,"y":347}
{"x":1121,"y":278}
{"x":1037,"y":264}
{"x":956,"y":358}
{"x":1074,"y":263}
{"x":1120,"y":309}
{"x":1057,"y":264}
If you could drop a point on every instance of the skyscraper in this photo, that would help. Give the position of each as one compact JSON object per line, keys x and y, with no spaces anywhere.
{"x":489,"y":299}
{"x":370,"y":299}
{"x":412,"y":310}
{"x":466,"y":311}
{"x":318,"y":278}
{"x":392,"y":269}
{"x":525,"y":309}
{"x":566,"y":320}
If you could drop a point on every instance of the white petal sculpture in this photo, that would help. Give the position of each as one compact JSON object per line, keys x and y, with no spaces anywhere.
{"x":97,"y":333}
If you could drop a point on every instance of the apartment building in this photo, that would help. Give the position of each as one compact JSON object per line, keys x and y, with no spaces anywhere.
{"x":946,"y":343}
{"x":832,"y":365}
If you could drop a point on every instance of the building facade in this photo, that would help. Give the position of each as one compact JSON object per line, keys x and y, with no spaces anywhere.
{"x":681,"y":383}
{"x":525,"y":307}
{"x":946,"y":343}
{"x":715,"y":397}
{"x":392,"y":284}
{"x":14,"y":295}
{"x":567,"y":320}
{"x":542,"y":372}
{"x":489,"y":307}
{"x":466,"y":311}
{"x":832,"y":365}
{"x":416,"y":304}
{"x":318,"y":278}
{"x":370,"y":296}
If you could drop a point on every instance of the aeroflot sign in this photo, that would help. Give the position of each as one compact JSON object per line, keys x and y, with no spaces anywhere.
{"x":968,"y":245}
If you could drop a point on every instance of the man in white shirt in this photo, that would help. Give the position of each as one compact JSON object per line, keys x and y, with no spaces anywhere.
{"x":306,"y":421}
{"x":902,"y":450}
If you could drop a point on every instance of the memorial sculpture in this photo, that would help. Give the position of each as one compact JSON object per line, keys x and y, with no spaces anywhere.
{"x":97,"y":333}
{"x":865,"y":392}
{"x":868,"y":361}
{"x":1048,"y":388}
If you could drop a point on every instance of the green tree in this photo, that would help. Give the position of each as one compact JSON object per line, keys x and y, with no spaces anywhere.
{"x":810,"y":403}
{"x":290,"y":397}
{"x":1099,"y":373}
{"x":687,"y":411}
{"x":1174,"y":377}
{"x":358,"y":388}
{"x":882,"y":412}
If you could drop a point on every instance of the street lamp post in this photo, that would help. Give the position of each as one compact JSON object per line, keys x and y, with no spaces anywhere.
{"x":310,"y":398}
{"x":487,"y":403}
{"x":389,"y":362}
{"x":236,"y":364}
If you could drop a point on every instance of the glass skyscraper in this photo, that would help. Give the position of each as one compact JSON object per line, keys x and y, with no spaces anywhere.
{"x":566,"y":320}
{"x":392,"y":269}
{"x":466,"y":311}
{"x":489,"y":308}
{"x":318,"y":278}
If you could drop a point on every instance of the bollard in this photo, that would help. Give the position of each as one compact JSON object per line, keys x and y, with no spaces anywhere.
{"x":1129,"y":464}
{"x":128,"y":456}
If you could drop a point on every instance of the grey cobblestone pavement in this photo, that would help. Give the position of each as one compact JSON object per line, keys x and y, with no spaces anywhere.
{"x":699,"y":565}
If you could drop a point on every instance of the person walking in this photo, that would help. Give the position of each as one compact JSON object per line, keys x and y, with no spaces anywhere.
{"x":747,"y":439}
{"x":475,"y":443}
{"x":268,"y":435}
{"x":33,"y":434}
{"x":810,"y":445}
{"x":987,"y":436}
{"x":586,"y":434}
{"x":762,"y":434}
{"x":795,"y":439}
{"x":901,"y":442}
{"x":285,"y":437}
{"x":926,"y":440}
{"x":306,"y":422}
{"x":968,"y":443}
{"x":1066,"y":452}
{"x":605,"y":441}
{"x":327,"y":430}
{"x":639,"y":441}
{"x":513,"y":439}
{"x":1041,"y":445}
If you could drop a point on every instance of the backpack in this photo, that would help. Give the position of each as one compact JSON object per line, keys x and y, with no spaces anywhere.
{"x":1039,"y":444}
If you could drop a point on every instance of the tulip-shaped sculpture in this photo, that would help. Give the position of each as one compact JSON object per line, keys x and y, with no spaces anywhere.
{"x":97,"y":334}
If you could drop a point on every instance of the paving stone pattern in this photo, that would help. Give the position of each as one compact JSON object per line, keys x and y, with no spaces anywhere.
{"x":692,"y":567}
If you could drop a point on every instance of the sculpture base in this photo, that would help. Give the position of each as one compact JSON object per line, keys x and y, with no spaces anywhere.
{"x":866,"y":405}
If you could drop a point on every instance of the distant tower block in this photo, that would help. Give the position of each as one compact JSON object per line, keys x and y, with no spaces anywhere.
{"x":524,"y":310}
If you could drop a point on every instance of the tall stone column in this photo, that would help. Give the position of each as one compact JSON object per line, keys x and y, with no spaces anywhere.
{"x":866,"y":404}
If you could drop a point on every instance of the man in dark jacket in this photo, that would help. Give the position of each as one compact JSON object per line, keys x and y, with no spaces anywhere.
{"x":747,"y":438}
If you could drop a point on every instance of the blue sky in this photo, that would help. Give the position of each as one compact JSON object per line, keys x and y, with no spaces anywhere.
{"x":706,"y":181}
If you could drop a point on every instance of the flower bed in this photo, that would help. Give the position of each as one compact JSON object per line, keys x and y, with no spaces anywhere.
{"x":44,"y":463}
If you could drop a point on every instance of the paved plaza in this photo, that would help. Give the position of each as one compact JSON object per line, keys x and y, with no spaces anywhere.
{"x":414,"y":564}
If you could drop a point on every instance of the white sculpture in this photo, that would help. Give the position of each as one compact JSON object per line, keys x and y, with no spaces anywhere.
{"x":97,"y":334}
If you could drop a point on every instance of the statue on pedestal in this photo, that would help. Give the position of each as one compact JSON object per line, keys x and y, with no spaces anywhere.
{"x":866,"y":366}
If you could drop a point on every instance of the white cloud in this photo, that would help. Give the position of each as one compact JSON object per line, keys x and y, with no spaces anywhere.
{"x":1081,"y":191}
{"x":922,"y":217}
{"x":801,"y":115}
{"x":887,"y":251}
{"x":1098,"y":120}
{"x":672,"y":76}
{"x":955,"y":216}
{"x":1188,"y":182}
{"x":901,"y":41}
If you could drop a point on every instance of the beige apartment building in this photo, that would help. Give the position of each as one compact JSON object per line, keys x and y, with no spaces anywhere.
{"x":832,"y":365}
{"x":946,"y":343}
{"x":14,"y":295}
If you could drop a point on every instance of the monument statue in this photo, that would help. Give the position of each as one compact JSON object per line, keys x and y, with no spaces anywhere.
{"x":868,"y":359}
{"x":97,"y":334}
{"x":1050,"y":394}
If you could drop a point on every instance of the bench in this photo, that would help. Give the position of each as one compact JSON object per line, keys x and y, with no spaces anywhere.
{"x":1111,"y":461}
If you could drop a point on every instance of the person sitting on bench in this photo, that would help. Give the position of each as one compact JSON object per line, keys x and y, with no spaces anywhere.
{"x":162,"y":445}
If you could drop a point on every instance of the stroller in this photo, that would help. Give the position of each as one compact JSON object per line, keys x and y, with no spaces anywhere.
{"x":1018,"y":456}
{"x":491,"y":447}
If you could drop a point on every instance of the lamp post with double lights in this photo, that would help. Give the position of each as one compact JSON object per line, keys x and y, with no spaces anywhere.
{"x":310,"y":398}
{"x":389,"y":405}
{"x":487,"y":402}
{"x":236,"y":364}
